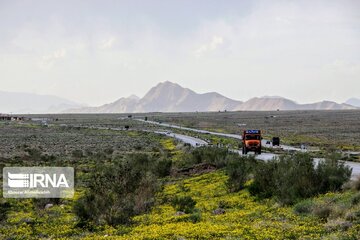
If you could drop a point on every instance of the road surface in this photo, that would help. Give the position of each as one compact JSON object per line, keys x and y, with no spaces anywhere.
{"x":229,"y":135}
{"x":191,"y":129}
{"x":195,"y":142}
{"x":264,"y":156}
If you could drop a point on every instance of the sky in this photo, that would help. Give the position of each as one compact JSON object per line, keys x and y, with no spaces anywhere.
{"x":94,"y":52}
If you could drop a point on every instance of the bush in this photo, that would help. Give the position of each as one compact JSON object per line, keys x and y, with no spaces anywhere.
{"x":109,"y":150}
{"x":4,"y":208}
{"x":292,"y":178}
{"x":195,"y":216}
{"x":34,"y":153}
{"x":355,"y":199}
{"x":353,"y":216}
{"x":211,"y":155}
{"x":224,"y":204}
{"x":322,"y":211}
{"x":331,"y":174}
{"x":238,"y":169}
{"x":118,"y":191}
{"x":304,"y":207}
{"x":77,"y":153}
{"x":185,"y":204}
{"x":163,"y":168}
{"x":263,"y":185}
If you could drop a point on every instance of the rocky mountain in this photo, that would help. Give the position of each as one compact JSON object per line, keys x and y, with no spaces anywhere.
{"x":166,"y":97}
{"x":354,"y":102}
{"x":15,"y":102}
{"x":171,"y":97}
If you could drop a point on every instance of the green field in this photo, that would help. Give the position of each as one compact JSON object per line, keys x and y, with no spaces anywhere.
{"x":134,"y":184}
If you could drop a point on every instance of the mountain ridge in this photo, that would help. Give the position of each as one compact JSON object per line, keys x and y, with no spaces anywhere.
{"x":171,"y":97}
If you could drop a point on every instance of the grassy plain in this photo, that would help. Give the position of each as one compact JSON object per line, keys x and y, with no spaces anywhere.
{"x":325,"y":129}
{"x":86,"y":141}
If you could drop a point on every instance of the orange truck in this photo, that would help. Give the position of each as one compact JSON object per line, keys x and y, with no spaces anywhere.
{"x":251,"y":140}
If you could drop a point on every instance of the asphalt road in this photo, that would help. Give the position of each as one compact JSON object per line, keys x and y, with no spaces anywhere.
{"x":236,"y":136}
{"x":191,"y":129}
{"x":196,"y":142}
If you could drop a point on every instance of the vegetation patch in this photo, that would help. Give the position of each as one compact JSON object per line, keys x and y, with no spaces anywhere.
{"x":294,"y":177}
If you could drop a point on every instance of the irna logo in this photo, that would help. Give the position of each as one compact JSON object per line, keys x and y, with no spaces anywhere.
{"x":38,"y":182}
{"x":18,"y":180}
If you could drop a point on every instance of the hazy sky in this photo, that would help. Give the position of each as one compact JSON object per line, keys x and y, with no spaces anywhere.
{"x":95,"y":52}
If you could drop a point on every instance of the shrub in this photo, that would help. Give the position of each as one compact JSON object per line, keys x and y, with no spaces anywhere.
{"x":108,"y":150}
{"x":353,"y":216}
{"x":238,"y":169}
{"x":212,"y":155}
{"x":164,"y":167}
{"x":34,"y":153}
{"x":292,"y":178}
{"x":77,"y":153}
{"x":195,"y":216}
{"x":355,"y":199}
{"x":322,"y":211}
{"x":117,"y":191}
{"x":263,"y":185}
{"x":138,"y":147}
{"x":4,"y":208}
{"x":185,"y":204}
{"x":331,"y":174}
{"x":48,"y":158}
{"x":224,"y":204}
{"x":304,"y":207}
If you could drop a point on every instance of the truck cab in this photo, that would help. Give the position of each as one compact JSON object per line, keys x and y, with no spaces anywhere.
{"x":251,"y":140}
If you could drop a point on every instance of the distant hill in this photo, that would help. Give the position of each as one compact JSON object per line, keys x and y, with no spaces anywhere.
{"x":171,"y":97}
{"x":267,"y":103}
{"x":354,"y":102}
{"x":122,"y":105}
{"x":15,"y":102}
{"x":274,"y":103}
{"x":326,"y":105}
{"x":166,"y":97}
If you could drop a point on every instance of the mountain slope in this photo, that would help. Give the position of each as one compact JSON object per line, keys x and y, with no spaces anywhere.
{"x":122,"y":105}
{"x":353,"y":102}
{"x":171,"y":97}
{"x":267,"y":104}
{"x":15,"y":102}
{"x":325,"y":105}
{"x":274,"y":103}
{"x":165,"y":97}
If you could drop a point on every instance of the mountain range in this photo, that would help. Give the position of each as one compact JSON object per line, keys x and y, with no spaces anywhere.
{"x":16,"y":102}
{"x":164,"y":97}
{"x":171,"y":97}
